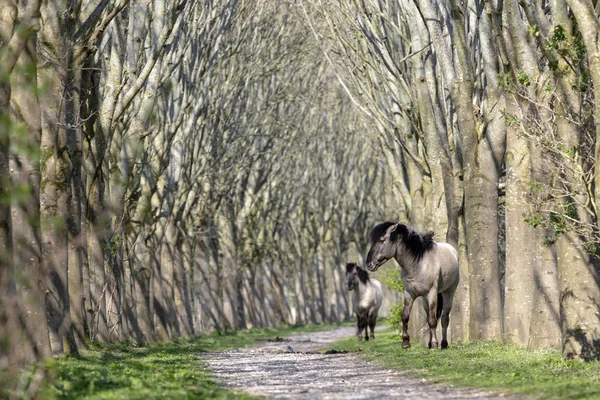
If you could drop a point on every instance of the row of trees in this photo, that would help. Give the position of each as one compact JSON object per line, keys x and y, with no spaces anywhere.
{"x":172,"y":168}
{"x":485,"y":111}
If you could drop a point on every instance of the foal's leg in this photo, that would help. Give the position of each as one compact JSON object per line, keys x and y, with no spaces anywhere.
{"x":430,"y":309}
{"x":372,"y":322}
{"x":408,"y":302}
{"x":362,"y":325}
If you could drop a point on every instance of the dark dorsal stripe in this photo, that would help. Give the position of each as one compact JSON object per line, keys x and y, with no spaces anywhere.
{"x":362,"y":274}
{"x":417,"y":243}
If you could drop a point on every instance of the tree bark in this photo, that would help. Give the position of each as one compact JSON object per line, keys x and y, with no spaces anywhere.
{"x":520,"y":256}
{"x":55,"y":63}
{"x":481,"y":176}
{"x":580,"y":279}
{"x":24,"y":167}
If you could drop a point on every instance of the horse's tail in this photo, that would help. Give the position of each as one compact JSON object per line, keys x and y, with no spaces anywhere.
{"x":440,"y":306}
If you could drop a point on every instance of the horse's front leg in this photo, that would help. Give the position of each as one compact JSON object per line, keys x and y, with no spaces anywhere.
{"x":361,"y":325}
{"x":431,"y":309}
{"x":408,"y":302}
{"x":372,"y":322}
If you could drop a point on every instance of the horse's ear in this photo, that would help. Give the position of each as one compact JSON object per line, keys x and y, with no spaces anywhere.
{"x":397,"y":229}
{"x":350,"y":267}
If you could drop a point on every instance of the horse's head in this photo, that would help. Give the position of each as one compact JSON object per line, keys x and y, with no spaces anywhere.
{"x":384,"y":239}
{"x":352,"y":275}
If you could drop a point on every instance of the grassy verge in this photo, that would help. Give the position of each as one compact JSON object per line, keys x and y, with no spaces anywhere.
{"x":161,"y":371}
{"x":488,"y":365}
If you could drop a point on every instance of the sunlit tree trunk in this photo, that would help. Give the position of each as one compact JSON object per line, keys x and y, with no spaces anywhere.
{"x":481,"y":174}
{"x":545,"y":328}
{"x":23,"y":324}
{"x":520,"y":254}
{"x":579,"y":282}
{"x":55,"y":63}
{"x":589,"y":26}
{"x":8,"y":318}
{"x":24,"y":168}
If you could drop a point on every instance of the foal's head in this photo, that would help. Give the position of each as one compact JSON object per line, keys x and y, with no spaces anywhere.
{"x":354,"y":273}
{"x":386,"y":237}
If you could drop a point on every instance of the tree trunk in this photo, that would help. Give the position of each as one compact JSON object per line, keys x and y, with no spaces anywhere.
{"x":589,"y":26}
{"x":520,"y":256}
{"x":519,"y":238}
{"x":481,"y":174}
{"x":55,"y":61}
{"x":8,"y":317}
{"x":579,"y":299}
{"x":26,"y":211}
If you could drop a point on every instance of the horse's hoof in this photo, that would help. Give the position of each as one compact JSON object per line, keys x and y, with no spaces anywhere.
{"x":444,"y":344}
{"x":405,"y":344}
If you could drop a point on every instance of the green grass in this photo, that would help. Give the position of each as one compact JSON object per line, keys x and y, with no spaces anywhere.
{"x":490,"y":365}
{"x":162,"y":371}
{"x":174,"y":371}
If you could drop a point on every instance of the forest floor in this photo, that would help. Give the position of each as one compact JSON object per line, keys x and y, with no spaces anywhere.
{"x":296,"y":367}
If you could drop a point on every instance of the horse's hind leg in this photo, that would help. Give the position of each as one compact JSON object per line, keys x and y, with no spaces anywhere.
{"x":448,"y":297}
{"x":408,"y":302}
{"x":430,"y":304}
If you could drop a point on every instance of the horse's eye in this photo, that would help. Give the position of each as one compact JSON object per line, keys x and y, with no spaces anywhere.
{"x":381,"y":240}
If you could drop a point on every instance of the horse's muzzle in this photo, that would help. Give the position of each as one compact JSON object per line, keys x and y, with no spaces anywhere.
{"x":372,"y":266}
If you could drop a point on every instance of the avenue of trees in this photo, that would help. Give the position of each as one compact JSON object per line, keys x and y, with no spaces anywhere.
{"x":169,"y":168}
{"x":485,"y":111}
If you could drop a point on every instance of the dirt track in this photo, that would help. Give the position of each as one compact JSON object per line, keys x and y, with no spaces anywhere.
{"x":272,"y":370}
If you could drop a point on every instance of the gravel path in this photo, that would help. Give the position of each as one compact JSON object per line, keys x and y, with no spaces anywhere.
{"x":272,"y":370}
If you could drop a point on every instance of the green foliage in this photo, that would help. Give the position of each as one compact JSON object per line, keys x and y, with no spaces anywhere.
{"x":113,"y":245}
{"x":394,"y":320}
{"x":537,"y":186}
{"x":593,"y":249}
{"x":570,"y":53}
{"x":504,"y":81}
{"x":510,"y":119}
{"x":394,"y":281}
{"x":163,"y":371}
{"x":489,"y":365}
{"x":523,"y":78}
{"x":571,"y":153}
{"x":549,"y":220}
{"x":533,"y":30}
{"x":534,"y":219}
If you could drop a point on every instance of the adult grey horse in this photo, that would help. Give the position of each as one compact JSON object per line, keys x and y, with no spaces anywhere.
{"x":428,"y":269}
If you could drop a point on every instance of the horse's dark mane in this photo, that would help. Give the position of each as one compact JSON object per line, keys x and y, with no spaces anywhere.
{"x":362,"y":274}
{"x":417,"y":243}
{"x":379,"y":230}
